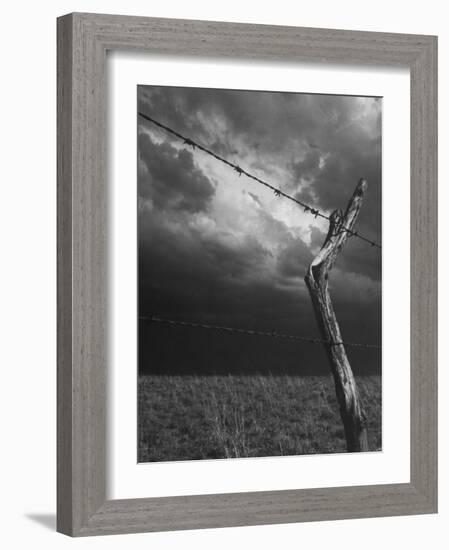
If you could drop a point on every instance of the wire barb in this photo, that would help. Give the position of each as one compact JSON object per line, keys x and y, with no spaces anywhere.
{"x":190,"y":143}
{"x":252,"y":332}
{"x":240,"y":171}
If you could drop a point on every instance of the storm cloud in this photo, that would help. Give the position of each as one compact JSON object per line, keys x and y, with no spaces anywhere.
{"x":221,"y":249}
{"x":170,"y":178}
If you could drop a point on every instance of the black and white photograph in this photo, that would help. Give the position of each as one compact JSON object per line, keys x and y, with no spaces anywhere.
{"x":220,"y":301}
{"x":259,"y":273}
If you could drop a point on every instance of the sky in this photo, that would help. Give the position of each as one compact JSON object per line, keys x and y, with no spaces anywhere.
{"x":219,"y":248}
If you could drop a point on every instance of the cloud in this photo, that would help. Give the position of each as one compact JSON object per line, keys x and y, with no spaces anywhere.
{"x":221,"y":249}
{"x":170,"y":178}
{"x":316,"y":146}
{"x":294,"y":259}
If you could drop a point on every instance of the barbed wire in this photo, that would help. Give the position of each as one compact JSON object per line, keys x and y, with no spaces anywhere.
{"x":250,"y":332}
{"x":308,"y":209}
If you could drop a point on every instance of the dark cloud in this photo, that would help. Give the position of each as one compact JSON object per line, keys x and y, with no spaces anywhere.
{"x":182,"y":273}
{"x":239,"y":259}
{"x":294,"y":258}
{"x":171,"y":179}
{"x":317,"y":137}
{"x":357,"y":258}
{"x":256,"y":199}
{"x":331,"y":183}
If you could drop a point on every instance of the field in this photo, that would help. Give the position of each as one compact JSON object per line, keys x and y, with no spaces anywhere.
{"x":209,"y":417}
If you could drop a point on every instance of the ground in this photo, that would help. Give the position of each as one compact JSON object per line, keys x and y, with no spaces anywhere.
{"x":209,"y":417}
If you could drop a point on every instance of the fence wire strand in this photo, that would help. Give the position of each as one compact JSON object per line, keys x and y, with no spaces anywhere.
{"x":272,"y":334}
{"x":308,"y":209}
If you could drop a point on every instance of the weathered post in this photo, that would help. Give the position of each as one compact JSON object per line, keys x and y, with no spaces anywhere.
{"x":317,"y":280}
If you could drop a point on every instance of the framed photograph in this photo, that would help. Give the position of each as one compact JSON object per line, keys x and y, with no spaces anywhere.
{"x":247,"y":291}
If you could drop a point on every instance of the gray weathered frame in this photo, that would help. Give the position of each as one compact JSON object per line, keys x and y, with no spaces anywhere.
{"x":83,"y":40}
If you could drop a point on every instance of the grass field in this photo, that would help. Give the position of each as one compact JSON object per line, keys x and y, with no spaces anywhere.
{"x":207,"y":417}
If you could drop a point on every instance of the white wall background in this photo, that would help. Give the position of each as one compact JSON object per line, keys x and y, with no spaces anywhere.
{"x":27,"y":289}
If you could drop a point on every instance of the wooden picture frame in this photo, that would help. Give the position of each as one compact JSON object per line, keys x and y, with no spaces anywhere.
{"x":83,"y":40}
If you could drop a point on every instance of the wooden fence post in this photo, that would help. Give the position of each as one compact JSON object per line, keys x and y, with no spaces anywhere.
{"x":351,"y":410}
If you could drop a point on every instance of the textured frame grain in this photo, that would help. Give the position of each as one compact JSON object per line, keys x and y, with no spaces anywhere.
{"x":83,"y":40}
